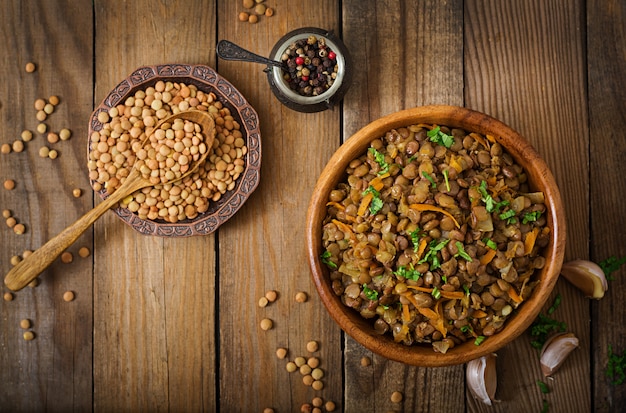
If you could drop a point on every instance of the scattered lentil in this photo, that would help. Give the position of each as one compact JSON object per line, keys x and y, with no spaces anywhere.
{"x":305,"y":369}
{"x":313,"y":362}
{"x":253,"y":18}
{"x":84,"y":252}
{"x":53,"y":137}
{"x":271,"y":296}
{"x":65,"y":134}
{"x":44,"y":152}
{"x":19,"y":229}
{"x":15,"y":259}
{"x":6,"y":213}
{"x":25,"y":324}
{"x":41,"y":115}
{"x":48,"y":109}
{"x":77,"y":192}
{"x":30,"y":67}
{"x":317,"y":374}
{"x":366,"y":361}
{"x":307,"y":380}
{"x":53,"y":154}
{"x":9,"y":184}
{"x":260,"y":9}
{"x":281,"y":353}
{"x":263,"y":302}
{"x":317,"y":402}
{"x":11,"y":222}
{"x":312,"y":346}
{"x":8,"y":296}
{"x":42,"y":128}
{"x":300,"y":361}
{"x":26,"y":135}
{"x":68,"y":296}
{"x":29,"y":335}
{"x":269,"y":12}
{"x":316,"y":410}
{"x":301,"y":297}
{"x":268,"y":410}
{"x":306,"y":408}
{"x":266,"y":324}
{"x":396,"y":397}
{"x":34,"y":283}
{"x":317,"y":385}
{"x":67,"y":257}
{"x":54,"y":100}
{"x":27,"y":253}
{"x":40,"y":104}
{"x":330,"y":406}
{"x":5,"y":148}
{"x":243,"y":16}
{"x":291,"y":367}
{"x":18,"y":146}
{"x":248,"y":4}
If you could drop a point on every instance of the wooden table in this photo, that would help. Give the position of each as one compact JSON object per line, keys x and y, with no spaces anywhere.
{"x":173,"y":324}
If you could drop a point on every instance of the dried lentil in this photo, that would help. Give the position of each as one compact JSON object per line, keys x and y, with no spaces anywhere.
{"x":77,"y":192}
{"x":268,"y":410}
{"x":44,"y":152}
{"x":312,"y":346}
{"x":5,"y":148}
{"x":291,"y":367}
{"x":248,"y":4}
{"x":67,"y":257}
{"x":313,"y":362}
{"x":28,"y":335}
{"x":330,"y":406}
{"x":269,"y":12}
{"x":84,"y":252}
{"x":53,"y":154}
{"x":307,"y":380}
{"x":306,"y":408}
{"x":18,"y":146}
{"x":260,"y":9}
{"x":48,"y":109}
{"x":396,"y":397}
{"x":42,"y":128}
{"x":6,"y":213}
{"x":366,"y":361}
{"x":25,"y":324}
{"x":317,"y":385}
{"x":11,"y":222}
{"x":9,"y":184}
{"x":281,"y":353}
{"x":317,"y":402}
{"x":243,"y":16}
{"x":19,"y":229}
{"x":305,"y":369}
{"x":52,"y":137}
{"x":34,"y":283}
{"x":41,"y":116}
{"x":317,"y":373}
{"x":301,"y":297}
{"x":8,"y":296}
{"x":40,"y":104}
{"x":26,"y":135}
{"x":30,"y":67}
{"x":300,"y":361}
{"x":54,"y":100}
{"x":15,"y":259}
{"x":253,"y":19}
{"x":263,"y":302}
{"x":65,"y":134}
{"x":68,"y":296}
{"x":271,"y":296}
{"x":27,"y":253}
{"x":266,"y":324}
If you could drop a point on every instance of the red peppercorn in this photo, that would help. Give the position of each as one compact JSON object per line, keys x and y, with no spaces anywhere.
{"x":332,"y":55}
{"x":299,"y":60}
{"x":305,"y":78}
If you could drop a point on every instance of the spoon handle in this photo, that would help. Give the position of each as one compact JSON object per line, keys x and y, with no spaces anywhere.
{"x":230,"y":51}
{"x":33,"y":265}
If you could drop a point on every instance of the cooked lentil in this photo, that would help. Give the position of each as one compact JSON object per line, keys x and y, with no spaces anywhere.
{"x":111,"y":152}
{"x":436,"y":244}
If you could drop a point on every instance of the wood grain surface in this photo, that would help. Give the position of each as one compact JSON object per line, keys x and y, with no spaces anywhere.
{"x":165,"y":324}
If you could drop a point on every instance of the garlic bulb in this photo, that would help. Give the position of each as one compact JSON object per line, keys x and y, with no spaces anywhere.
{"x":480,"y":375}
{"x":555,"y":351}
{"x":587,"y":276}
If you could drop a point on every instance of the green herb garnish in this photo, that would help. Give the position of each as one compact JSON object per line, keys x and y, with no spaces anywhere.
{"x":436,"y":293}
{"x":555,"y":304}
{"x":445,"y":177}
{"x":490,"y":204}
{"x":541,"y":329}
{"x":430,"y":178}
{"x":326,"y":260}
{"x":546,"y":406}
{"x":431,"y":255}
{"x":466,"y":328}
{"x":531,"y":217}
{"x":380,"y":160}
{"x":437,"y":136}
{"x":369,"y":293}
{"x":466,"y":289}
{"x":508,"y":216}
{"x":415,"y":238}
{"x":462,"y":252}
{"x":543,"y":387}
{"x":490,"y":243}
{"x":479,"y":340}
{"x":616,"y":367}
{"x":610,"y":265}
{"x":408,"y":273}
{"x":377,"y":203}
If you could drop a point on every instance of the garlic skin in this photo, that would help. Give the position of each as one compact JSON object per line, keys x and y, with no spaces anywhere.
{"x":587,"y":276}
{"x":480,"y":377}
{"x":555,"y":351}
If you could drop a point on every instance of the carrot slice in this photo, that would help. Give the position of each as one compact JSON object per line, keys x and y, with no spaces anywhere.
{"x":515,"y":296}
{"x":479,"y":314}
{"x":336,"y":205}
{"x":439,"y":324}
{"x":377,"y":183}
{"x":433,"y":208}
{"x":422,"y":289}
{"x":452,"y":295}
{"x":488,"y":257}
{"x":529,"y":241}
{"x":344,"y":228}
{"x":421,"y":248}
{"x":428,"y":313}
{"x":480,"y":139}
{"x":365,"y":202}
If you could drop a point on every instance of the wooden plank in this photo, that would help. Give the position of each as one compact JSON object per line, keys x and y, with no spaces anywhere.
{"x":401,"y":64}
{"x":154,"y":303}
{"x":606,"y":45}
{"x":263,"y":248}
{"x":536,"y":84}
{"x":53,"y":371}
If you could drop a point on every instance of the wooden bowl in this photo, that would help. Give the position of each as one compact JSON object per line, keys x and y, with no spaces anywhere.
{"x":540,"y":179}
{"x":207,"y":80}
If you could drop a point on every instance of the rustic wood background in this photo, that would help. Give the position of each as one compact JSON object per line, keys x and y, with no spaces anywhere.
{"x":173,"y":324}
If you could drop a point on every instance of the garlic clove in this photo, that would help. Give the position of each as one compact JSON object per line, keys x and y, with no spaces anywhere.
{"x":481,"y":379}
{"x":587,"y":276}
{"x":555,"y":351}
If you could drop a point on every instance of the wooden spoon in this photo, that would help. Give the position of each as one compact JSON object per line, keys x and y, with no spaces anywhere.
{"x":29,"y":268}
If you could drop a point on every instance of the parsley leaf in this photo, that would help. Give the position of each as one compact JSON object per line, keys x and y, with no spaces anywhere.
{"x":479,"y":340}
{"x":437,"y":136}
{"x":326,"y":260}
{"x":490,"y":243}
{"x":380,"y":160}
{"x":616,"y":367}
{"x":415,"y":238}
{"x":610,"y":265}
{"x":377,"y":203}
{"x":541,"y":329}
{"x":408,"y":273}
{"x":508,"y":216}
{"x":431,"y":255}
{"x":430,"y":178}
{"x":543,"y":386}
{"x":462,"y":252}
{"x":490,"y":204}
{"x":369,"y":293}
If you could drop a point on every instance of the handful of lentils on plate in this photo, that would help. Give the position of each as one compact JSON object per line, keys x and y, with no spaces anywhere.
{"x":311,"y":66}
{"x":435,"y":235}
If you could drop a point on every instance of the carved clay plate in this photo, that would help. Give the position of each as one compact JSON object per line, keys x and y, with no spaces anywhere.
{"x":207,"y":80}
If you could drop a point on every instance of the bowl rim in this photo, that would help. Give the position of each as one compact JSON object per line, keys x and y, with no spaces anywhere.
{"x":471,"y":121}
{"x":196,"y":74}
